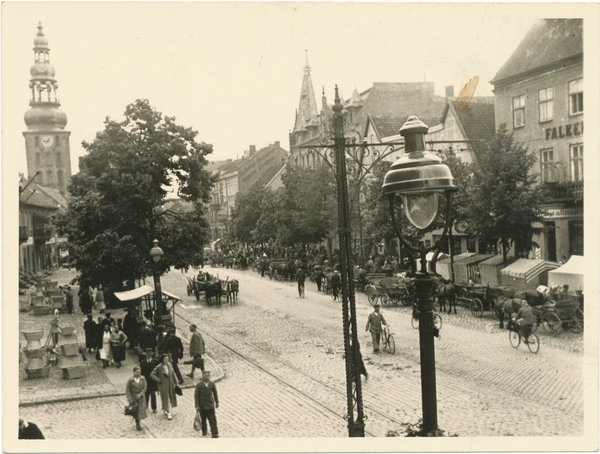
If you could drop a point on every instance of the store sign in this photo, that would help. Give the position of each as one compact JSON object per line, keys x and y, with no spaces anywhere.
{"x":576,"y":129}
{"x":564,"y":213}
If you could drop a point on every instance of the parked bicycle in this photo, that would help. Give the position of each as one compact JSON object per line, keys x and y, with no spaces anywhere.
{"x":388,"y":340}
{"x":516,"y":335}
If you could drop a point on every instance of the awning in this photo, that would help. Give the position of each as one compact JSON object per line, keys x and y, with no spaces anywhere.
{"x":442,"y":256}
{"x":458,"y":258}
{"x":571,"y":273}
{"x":528,"y":269}
{"x":140,"y":292}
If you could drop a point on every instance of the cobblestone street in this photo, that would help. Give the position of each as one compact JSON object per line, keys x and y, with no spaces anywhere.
{"x":284,"y":374}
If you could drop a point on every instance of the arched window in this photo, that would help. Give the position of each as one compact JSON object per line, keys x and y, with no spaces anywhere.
{"x":49,"y":177}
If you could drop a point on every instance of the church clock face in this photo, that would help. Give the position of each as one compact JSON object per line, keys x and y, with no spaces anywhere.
{"x":46,"y":141}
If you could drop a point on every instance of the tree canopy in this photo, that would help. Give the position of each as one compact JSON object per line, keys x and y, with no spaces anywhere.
{"x":115,"y":209}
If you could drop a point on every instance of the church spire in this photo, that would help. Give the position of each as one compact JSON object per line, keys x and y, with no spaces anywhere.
{"x":307,"y":107}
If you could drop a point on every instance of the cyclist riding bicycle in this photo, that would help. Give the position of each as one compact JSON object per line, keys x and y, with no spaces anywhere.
{"x":526,"y":318}
{"x":300,"y":277}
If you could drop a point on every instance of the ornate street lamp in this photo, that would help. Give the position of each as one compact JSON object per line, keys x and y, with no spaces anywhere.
{"x":420,"y":177}
{"x":156,"y":253}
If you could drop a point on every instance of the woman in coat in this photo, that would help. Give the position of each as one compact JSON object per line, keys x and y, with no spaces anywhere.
{"x":164,"y":375}
{"x":117,"y":345}
{"x":136,"y":395}
{"x":105,"y":349}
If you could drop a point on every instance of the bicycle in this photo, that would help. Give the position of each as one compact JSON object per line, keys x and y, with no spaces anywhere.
{"x":387,"y":340}
{"x":515,"y":335}
{"x":437,"y":320}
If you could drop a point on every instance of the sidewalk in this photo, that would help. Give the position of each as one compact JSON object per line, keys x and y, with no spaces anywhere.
{"x":117,"y":378}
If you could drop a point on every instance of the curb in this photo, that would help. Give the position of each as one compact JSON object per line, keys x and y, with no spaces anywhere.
{"x":95,"y":395}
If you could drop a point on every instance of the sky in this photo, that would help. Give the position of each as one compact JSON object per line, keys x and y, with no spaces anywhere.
{"x":233,"y":71}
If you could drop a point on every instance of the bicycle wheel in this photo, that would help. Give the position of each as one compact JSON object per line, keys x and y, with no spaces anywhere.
{"x":415,"y":322}
{"x":391,"y":344}
{"x":515,"y":338}
{"x":407,"y":300}
{"x":437,"y":321}
{"x":533,"y":343}
{"x":551,"y":323}
{"x":476,"y":307}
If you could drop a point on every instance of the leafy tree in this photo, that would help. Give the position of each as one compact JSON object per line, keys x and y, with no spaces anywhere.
{"x":246,"y":213}
{"x":115,"y":210}
{"x":504,"y":201}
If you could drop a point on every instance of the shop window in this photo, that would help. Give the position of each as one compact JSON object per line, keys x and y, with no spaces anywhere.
{"x":576,"y":97}
{"x":519,"y":111}
{"x":546,"y":104}
{"x":549,"y":170}
{"x":577,"y":162}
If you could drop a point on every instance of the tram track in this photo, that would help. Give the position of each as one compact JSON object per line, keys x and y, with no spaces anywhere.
{"x":336,"y":403}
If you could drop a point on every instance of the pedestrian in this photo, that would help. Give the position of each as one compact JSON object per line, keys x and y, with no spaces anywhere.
{"x":374,"y":324}
{"x":174,"y":348}
{"x":100,"y":305}
{"x":29,"y":431}
{"x":300,"y":278}
{"x":69,"y":299}
{"x":130,"y":326}
{"x":105,"y":351}
{"x":91,"y":333}
{"x":117,"y":344}
{"x":161,"y":339}
{"x":108,"y":320}
{"x":135,"y":390}
{"x":336,"y":283}
{"x":85,"y":300}
{"x":164,"y":375}
{"x":196,"y":350}
{"x":148,"y":336}
{"x":55,"y":328}
{"x":207,"y":399}
{"x":147,"y":366}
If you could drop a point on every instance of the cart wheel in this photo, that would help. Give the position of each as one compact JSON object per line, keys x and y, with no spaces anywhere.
{"x":476,"y":307}
{"x":515,"y":338}
{"x":372,"y":295}
{"x":533,"y":343}
{"x":407,"y":300}
{"x":551,"y":323}
{"x":576,"y":324}
{"x":385,"y":300}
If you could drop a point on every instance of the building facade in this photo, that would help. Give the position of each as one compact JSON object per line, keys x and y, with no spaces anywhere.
{"x":539,"y":96}
{"x":46,"y":141}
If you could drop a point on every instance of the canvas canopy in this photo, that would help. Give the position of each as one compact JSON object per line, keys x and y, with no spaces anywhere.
{"x":490,"y":269}
{"x":528,"y":269}
{"x":571,"y":273}
{"x":468,"y":268}
{"x":140,"y":292}
{"x":443,"y":266}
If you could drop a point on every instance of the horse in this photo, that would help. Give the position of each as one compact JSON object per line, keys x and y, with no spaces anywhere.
{"x":508,"y":306}
{"x":213,"y":289}
{"x":446,"y":292}
{"x":233,"y":287}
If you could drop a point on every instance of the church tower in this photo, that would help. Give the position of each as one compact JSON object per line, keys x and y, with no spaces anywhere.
{"x":46,"y":141}
{"x":307,"y":107}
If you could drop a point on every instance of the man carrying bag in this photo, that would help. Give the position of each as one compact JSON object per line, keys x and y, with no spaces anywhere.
{"x":196,"y":351}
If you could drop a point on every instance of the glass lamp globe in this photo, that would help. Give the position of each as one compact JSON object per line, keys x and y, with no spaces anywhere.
{"x":421,"y":209}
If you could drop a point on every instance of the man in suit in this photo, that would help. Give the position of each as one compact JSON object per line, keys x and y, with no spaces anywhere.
{"x":375,"y":324}
{"x":206,"y":400}
{"x":29,"y":431}
{"x":147,"y":365}
{"x":174,"y":348}
{"x":196,"y":349}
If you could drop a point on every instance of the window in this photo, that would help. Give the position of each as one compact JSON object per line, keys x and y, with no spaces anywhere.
{"x":37,"y":141}
{"x":549,"y":170}
{"x":519,"y":111}
{"x":546,"y":104}
{"x":58,"y":158}
{"x":577,"y":162}
{"x":576,"y":97}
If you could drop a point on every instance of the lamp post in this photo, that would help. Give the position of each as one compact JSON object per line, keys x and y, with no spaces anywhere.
{"x":156,"y":253}
{"x":419,"y":176}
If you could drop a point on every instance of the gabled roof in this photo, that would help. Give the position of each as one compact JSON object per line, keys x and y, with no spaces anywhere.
{"x":548,"y":43}
{"x":38,"y":196}
{"x":477,"y":119}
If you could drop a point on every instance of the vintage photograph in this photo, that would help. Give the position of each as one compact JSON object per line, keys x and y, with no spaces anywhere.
{"x":245,"y":223}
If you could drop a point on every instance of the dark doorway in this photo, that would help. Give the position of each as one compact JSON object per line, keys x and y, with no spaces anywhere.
{"x":550,"y":229}
{"x":575,"y":237}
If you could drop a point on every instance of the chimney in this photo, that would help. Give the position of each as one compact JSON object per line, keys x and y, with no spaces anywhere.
{"x":277,"y":143}
{"x":450,"y":91}
{"x":252,"y":149}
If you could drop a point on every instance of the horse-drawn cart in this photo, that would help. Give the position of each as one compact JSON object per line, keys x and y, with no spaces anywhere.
{"x":389,"y":291}
{"x":565,"y":314}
